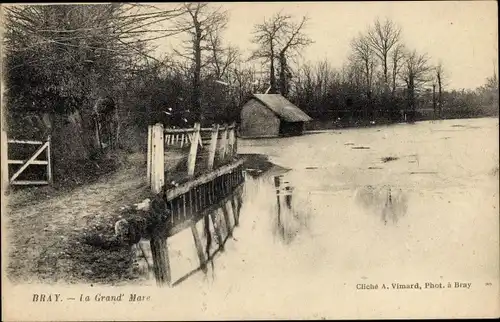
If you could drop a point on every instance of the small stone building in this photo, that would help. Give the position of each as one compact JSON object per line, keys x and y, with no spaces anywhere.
{"x":271,"y":115}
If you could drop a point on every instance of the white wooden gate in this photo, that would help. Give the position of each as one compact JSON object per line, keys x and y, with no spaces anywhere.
{"x":9,"y":179}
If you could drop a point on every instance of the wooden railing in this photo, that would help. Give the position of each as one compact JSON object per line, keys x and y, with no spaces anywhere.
{"x":218,"y":141}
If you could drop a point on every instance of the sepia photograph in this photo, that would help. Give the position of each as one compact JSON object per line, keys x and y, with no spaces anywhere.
{"x":250,"y":160}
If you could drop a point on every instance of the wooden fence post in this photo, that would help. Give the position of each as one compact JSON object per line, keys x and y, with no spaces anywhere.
{"x":232,"y":139}
{"x":161,"y":262}
{"x":235,"y":148}
{"x":157,"y":159}
{"x":49,"y":166}
{"x":223,"y":143}
{"x":193,"y":150}
{"x":213,"y":147}
{"x":5,"y":158}
{"x":150,"y":152}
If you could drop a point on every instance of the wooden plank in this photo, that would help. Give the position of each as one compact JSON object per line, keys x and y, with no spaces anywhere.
{"x":177,"y":131}
{"x":49,"y":166}
{"x":200,"y":141}
{"x":235,"y":147}
{"x":158,"y":166}
{"x":27,"y":182}
{"x":161,"y":158}
{"x":33,"y":157}
{"x":213,"y":147}
{"x":223,"y":143}
{"x":25,"y":142}
{"x":35,"y":162}
{"x":185,"y":187}
{"x":193,"y":150}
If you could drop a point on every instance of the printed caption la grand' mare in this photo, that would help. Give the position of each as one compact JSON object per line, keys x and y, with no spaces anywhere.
{"x":97,"y":297}
{"x":415,"y":286}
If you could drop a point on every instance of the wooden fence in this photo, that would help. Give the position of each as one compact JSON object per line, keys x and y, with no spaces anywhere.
{"x":219,"y":142}
{"x":210,"y":194}
{"x":216,"y":196}
{"x":7,"y":179}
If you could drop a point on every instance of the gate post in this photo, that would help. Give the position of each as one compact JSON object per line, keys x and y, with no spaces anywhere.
{"x":149,"y":153}
{"x":5,"y":160}
{"x":157,"y":158}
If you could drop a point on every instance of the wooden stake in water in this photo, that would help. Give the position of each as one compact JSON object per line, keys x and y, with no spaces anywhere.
{"x":217,"y":228}
{"x":161,"y":263}
{"x":277,"y":185}
{"x":226,"y":219}
{"x":235,"y":211}
{"x":199,"y":248}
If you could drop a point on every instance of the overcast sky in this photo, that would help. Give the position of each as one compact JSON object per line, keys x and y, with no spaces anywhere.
{"x":462,"y":34}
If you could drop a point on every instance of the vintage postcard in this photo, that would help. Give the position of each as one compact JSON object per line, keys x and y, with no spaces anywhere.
{"x":250,"y":160}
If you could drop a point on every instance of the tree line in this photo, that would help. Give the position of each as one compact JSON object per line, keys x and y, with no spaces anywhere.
{"x":74,"y":70}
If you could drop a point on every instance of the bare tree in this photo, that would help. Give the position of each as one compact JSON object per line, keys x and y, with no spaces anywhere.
{"x":397,"y":57}
{"x":63,"y":58}
{"x":199,"y":21}
{"x":384,"y":36}
{"x":364,"y":54}
{"x":266,"y":36}
{"x":293,"y":40}
{"x":278,"y":38}
{"x":440,"y":78}
{"x":221,"y":57}
{"x":415,"y":73}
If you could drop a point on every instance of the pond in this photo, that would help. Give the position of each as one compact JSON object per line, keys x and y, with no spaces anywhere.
{"x":418,"y":204}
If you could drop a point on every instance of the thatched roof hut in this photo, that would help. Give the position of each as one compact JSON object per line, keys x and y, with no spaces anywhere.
{"x":271,"y":115}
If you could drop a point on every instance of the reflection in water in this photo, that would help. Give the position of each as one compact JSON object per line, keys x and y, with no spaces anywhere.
{"x":390,"y":203}
{"x":289,"y":219}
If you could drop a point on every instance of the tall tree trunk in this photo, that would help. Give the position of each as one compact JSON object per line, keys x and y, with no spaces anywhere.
{"x":440,"y":97}
{"x":434,"y":100}
{"x":386,"y":77}
{"x":411,"y":99}
{"x":196,"y":95}
{"x":272,"y":77}
{"x":283,"y":85}
{"x":394,"y":74}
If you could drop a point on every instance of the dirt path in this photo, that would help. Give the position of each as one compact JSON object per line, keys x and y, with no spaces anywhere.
{"x":44,"y":237}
